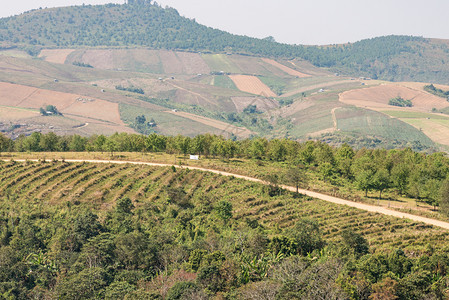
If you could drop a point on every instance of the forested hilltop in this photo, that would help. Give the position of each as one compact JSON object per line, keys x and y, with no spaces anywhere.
{"x":149,"y":25}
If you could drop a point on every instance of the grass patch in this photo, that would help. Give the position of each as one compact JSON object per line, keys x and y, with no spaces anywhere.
{"x":413,"y":115}
{"x":224,"y":82}
{"x":367,"y":122}
{"x":220,"y":62}
{"x":167,"y":124}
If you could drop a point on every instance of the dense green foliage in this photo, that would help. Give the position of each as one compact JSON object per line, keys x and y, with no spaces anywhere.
{"x":438,"y":92}
{"x":80,"y":64}
{"x":401,"y":102}
{"x":130,"y":89}
{"x":49,"y":110}
{"x":149,"y":25}
{"x":88,"y":231}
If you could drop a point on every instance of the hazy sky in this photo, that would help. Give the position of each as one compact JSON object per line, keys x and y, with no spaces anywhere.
{"x":298,"y":21}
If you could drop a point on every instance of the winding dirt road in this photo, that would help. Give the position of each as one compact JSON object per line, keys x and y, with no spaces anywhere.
{"x":367,"y":207}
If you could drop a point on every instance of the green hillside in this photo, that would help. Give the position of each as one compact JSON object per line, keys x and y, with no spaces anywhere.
{"x":87,"y":231}
{"x":149,"y":25}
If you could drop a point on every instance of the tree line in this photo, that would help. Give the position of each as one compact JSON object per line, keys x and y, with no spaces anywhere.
{"x":401,"y":172}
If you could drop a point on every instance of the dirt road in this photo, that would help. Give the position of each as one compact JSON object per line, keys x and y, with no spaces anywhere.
{"x":367,"y":207}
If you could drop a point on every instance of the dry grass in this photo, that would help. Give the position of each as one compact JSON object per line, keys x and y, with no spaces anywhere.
{"x":286,"y":69}
{"x":101,"y":59}
{"x":252,"y":84}
{"x":81,"y":108}
{"x":263,"y":104}
{"x":13,"y":113}
{"x":238,"y":131}
{"x":377,"y":98}
{"x":57,"y":56}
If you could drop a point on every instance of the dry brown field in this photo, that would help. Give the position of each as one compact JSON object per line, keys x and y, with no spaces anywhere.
{"x":252,"y":84}
{"x":57,"y":56}
{"x":297,"y":106}
{"x":377,"y":97}
{"x":101,"y":59}
{"x":170,"y":62}
{"x":192,"y":63}
{"x":84,"y":109}
{"x":436,"y":129}
{"x":8,"y":114}
{"x":238,"y":131}
{"x":286,"y":69}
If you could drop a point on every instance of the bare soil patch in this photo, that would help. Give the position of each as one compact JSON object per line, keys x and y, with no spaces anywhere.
{"x":297,"y":106}
{"x":101,"y":59}
{"x":8,"y":114}
{"x":75,"y":106}
{"x":285,"y":68}
{"x":170,"y":62}
{"x":377,"y":97}
{"x":238,"y":131}
{"x":252,"y":84}
{"x":57,"y":56}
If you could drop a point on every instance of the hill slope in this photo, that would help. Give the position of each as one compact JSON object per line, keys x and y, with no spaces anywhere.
{"x":149,"y":231}
{"x":150,"y":25}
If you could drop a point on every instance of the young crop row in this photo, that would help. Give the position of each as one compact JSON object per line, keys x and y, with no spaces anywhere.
{"x":101,"y":185}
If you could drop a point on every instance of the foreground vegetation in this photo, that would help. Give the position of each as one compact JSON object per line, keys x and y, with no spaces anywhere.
{"x":81,"y":230}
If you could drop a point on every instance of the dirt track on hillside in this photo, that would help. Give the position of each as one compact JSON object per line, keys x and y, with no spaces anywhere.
{"x":366,"y":207}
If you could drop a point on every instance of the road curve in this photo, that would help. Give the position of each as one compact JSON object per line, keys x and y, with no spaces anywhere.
{"x":367,"y":207}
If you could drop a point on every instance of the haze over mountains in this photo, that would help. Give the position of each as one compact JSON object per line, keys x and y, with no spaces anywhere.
{"x":149,"y":25}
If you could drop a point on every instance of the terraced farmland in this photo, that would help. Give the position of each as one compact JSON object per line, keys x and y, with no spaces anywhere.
{"x":60,"y":185}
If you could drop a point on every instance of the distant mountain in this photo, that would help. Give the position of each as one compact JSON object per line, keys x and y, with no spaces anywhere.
{"x":144,"y":24}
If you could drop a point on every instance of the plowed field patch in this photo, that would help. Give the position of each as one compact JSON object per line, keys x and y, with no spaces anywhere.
{"x":377,"y":97}
{"x":286,"y":69}
{"x":78,"y":107}
{"x":57,"y":56}
{"x":252,"y":84}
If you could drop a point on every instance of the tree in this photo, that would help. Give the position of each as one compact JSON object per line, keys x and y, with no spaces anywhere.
{"x":6,"y":144}
{"x":273,"y":180}
{"x":400,"y":177}
{"x":99,"y":143}
{"x":141,"y":119}
{"x":381,"y":181}
{"x":83,"y":285}
{"x":295,"y":175}
{"x":110,"y":146}
{"x":307,"y":236}
{"x":354,"y":243}
{"x":156,"y":143}
{"x":444,"y":197}
{"x":49,"y":142}
{"x":32,"y":142}
{"x":77,"y":143}
{"x":224,"y":210}
{"x":364,"y":181}
{"x":343,"y":158}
